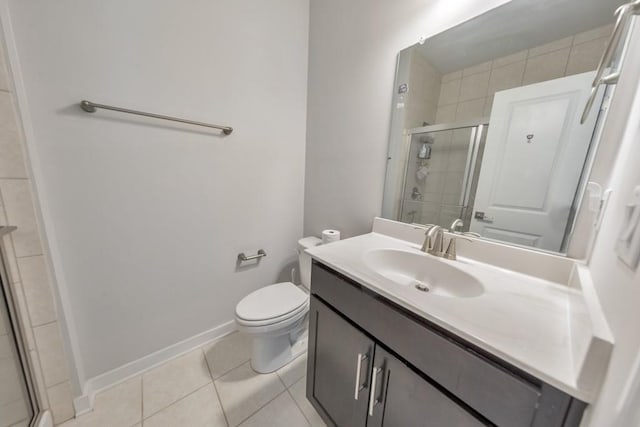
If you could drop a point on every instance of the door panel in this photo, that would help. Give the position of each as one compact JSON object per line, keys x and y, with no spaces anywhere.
{"x":337,"y":350}
{"x":532,"y":162}
{"x":401,"y":397}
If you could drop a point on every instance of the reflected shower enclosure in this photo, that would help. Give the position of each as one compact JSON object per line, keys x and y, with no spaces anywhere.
{"x":441,"y":173}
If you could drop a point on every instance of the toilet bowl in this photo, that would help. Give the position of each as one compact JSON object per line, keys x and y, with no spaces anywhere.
{"x":276,"y":317}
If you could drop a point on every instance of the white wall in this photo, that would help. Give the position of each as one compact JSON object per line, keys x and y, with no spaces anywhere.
{"x":149,"y":216}
{"x":618,"y":286}
{"x":352,"y":56}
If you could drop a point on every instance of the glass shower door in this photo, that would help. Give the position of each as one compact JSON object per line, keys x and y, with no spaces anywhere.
{"x":439,"y":174}
{"x":16,"y":404}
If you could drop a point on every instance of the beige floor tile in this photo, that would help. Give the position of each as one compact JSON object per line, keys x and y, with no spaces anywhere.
{"x":298,"y":391}
{"x":119,"y":406}
{"x":242,"y":392}
{"x":199,"y":409}
{"x":294,"y":370}
{"x":174,"y":380}
{"x":280,"y":412}
{"x":228,"y":353}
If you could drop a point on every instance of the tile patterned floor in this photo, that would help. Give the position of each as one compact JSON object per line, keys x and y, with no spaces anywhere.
{"x":212,"y":386}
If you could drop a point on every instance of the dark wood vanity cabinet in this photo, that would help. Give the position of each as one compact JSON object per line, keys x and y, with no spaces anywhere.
{"x":373,"y":363}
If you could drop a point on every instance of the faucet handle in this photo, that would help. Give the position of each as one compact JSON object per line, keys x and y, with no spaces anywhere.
{"x":457,"y":223}
{"x":450,"y":253}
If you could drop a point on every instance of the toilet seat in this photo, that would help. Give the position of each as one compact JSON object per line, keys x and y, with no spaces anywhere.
{"x":272,"y":304}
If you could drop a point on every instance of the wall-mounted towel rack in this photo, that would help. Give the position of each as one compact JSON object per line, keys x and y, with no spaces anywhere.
{"x":91,"y":107}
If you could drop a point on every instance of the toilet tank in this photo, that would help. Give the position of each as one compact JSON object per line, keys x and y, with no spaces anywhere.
{"x":305,"y":260}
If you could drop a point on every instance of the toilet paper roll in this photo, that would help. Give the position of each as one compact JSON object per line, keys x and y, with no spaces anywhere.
{"x":329,"y":236}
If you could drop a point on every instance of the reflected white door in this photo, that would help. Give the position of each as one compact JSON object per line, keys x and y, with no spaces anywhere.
{"x":533,"y":158}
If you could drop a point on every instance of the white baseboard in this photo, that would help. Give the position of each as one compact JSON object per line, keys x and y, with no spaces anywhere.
{"x":84,"y":403}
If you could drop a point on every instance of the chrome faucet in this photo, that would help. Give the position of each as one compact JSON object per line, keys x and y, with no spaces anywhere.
{"x":433,"y":244}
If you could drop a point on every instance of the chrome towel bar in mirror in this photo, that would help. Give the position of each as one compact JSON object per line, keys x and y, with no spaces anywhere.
{"x":623,"y":15}
{"x":91,"y":107}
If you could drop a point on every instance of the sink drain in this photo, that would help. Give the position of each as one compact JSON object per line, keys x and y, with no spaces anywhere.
{"x":421,"y":287}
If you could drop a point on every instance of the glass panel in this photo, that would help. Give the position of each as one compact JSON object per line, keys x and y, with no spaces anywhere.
{"x":439,"y":177}
{"x":15,"y":402}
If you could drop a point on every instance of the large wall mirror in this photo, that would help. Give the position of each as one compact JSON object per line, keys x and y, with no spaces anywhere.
{"x":486,"y":122}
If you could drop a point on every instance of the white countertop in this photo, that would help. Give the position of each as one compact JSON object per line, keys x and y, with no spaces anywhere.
{"x":528,"y":322}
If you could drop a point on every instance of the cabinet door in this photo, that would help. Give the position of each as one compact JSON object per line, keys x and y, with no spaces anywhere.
{"x":401,"y":397}
{"x":338,"y":368}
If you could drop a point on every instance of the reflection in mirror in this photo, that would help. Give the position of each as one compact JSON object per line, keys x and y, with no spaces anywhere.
{"x":486,"y":122}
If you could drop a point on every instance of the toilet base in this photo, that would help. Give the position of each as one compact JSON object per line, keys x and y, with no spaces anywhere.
{"x":272,"y":353}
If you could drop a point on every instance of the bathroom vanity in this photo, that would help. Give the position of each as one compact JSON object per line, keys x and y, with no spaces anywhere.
{"x":396,"y":356}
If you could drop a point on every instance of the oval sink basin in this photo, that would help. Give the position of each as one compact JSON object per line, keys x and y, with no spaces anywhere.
{"x":422,"y":272}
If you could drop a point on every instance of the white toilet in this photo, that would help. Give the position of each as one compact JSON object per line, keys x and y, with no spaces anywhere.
{"x":276,"y":317}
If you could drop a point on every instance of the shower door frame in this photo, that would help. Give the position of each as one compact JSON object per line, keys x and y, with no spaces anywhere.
{"x":18,"y":328}
{"x":477,"y":130}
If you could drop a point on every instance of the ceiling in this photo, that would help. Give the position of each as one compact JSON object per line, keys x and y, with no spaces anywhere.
{"x":512,"y":27}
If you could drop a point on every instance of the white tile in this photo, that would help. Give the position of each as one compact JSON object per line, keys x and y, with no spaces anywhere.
{"x":51,"y":351}
{"x":546,"y":67}
{"x":242,"y":392}
{"x":227,"y":353}
{"x":446,"y":113}
{"x":38,"y":379}
{"x":13,"y":412}
{"x":294,"y":370}
{"x":118,"y":406}
{"x":596,"y":33}
{"x":474,"y":86}
{"x":449,"y":92}
{"x":479,"y":68}
{"x":550,"y":47}
{"x":454,"y":75}
{"x":4,"y":77}
{"x":23,"y":316}
{"x":173,"y":380}
{"x":509,"y":59}
{"x":506,"y":77}
{"x":281,"y":411}
{"x":586,"y":56}
{"x":16,"y":195}
{"x":470,"y":110}
{"x":37,"y":291}
{"x":199,"y":409}
{"x":11,"y":156}
{"x":61,"y":402}
{"x":298,"y":391}
{"x":10,"y":372}
{"x":14,"y":275}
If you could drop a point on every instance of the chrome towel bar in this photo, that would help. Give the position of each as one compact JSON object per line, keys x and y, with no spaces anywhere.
{"x":91,"y":107}
{"x":242,"y":257}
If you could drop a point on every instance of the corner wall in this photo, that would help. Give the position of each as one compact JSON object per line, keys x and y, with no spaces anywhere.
{"x":149,"y":216}
{"x":353,"y":48}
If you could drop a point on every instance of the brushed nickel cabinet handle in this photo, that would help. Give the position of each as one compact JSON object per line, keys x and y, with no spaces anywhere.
{"x":372,"y":394}
{"x":359,"y":387}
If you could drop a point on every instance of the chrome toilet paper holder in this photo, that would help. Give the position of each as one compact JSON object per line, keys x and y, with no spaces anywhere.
{"x":242,"y":257}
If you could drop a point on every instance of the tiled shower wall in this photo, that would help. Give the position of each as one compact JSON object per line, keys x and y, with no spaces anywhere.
{"x":27,"y":265}
{"x":468,"y":94}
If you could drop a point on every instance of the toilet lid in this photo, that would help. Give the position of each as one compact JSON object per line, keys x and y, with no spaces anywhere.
{"x":271,"y":301}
